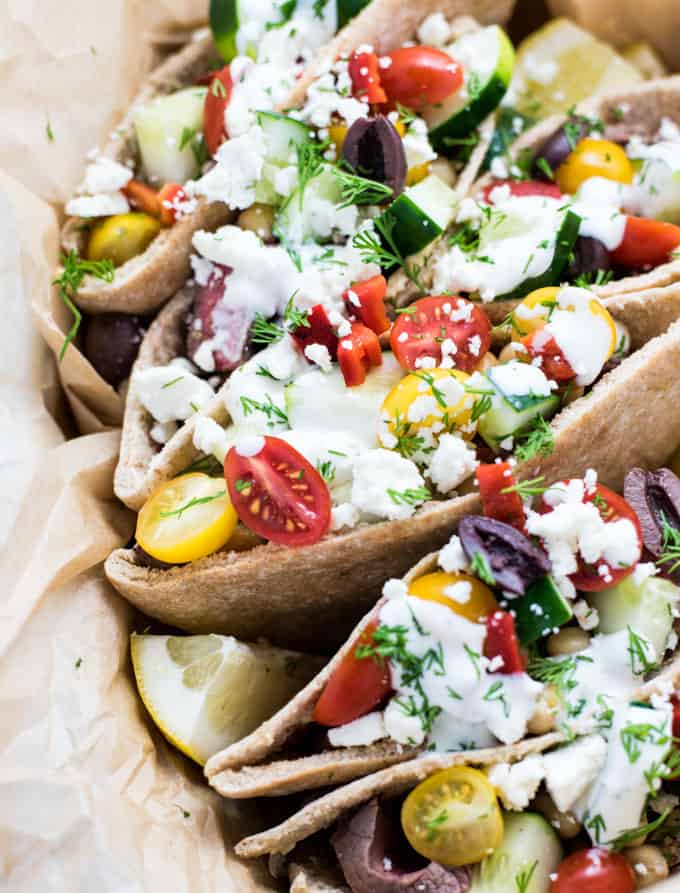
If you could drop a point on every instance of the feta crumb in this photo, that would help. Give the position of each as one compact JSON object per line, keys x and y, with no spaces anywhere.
{"x":451,"y":463}
{"x":643,"y":571}
{"x":434,"y":31}
{"x":362,"y":731}
{"x":587,"y":616}
{"x":210,"y":438}
{"x":97,"y":205}
{"x":395,"y":589}
{"x":381,"y":478}
{"x":250,"y":445}
{"x":344,"y":515}
{"x":452,"y":558}
{"x":517,"y":783}
{"x":106,"y":176}
{"x":161,"y":432}
{"x":169,"y":394}
{"x":319,"y":354}
{"x":460,"y":592}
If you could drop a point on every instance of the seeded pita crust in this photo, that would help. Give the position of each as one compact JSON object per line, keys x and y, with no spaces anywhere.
{"x":646,"y":303}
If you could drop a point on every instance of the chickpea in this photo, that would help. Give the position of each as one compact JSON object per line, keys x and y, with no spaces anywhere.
{"x":648,"y":864}
{"x":258,"y":219}
{"x":543,"y":718}
{"x":488,"y":360}
{"x":565,"y":823}
{"x":567,"y":641}
{"x":444,"y":170}
{"x":513,"y":351}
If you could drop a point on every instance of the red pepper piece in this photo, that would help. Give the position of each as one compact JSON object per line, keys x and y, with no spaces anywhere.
{"x":319,"y":331}
{"x":501,"y":641}
{"x":493,"y":480}
{"x":216,"y":102}
{"x":357,"y":353}
{"x":365,"y":74}
{"x":367,"y":301}
{"x":553,"y":362}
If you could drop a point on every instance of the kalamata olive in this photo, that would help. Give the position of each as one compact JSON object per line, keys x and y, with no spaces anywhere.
{"x":111,"y":344}
{"x":556,"y":148}
{"x":655,"y":497}
{"x":590,"y":255}
{"x":374,"y":149}
{"x":213,"y":317}
{"x":515,"y":562}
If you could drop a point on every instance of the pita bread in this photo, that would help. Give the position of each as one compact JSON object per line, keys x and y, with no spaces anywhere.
{"x":646,"y":304}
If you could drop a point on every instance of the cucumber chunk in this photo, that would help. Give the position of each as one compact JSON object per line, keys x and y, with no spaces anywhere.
{"x":510,"y":124}
{"x":512,"y":413}
{"x":347,"y":9}
{"x":529,"y":854}
{"x":644,"y":607}
{"x":224,"y":26}
{"x":488,"y":58}
{"x":296,"y":221}
{"x":281,"y":135}
{"x":540,"y":610}
{"x":169,"y":130}
{"x":420,"y":214}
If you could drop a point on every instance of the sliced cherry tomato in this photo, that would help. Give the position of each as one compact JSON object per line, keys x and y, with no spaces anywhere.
{"x":357,"y":353}
{"x":522,"y":188}
{"x":278,"y":494}
{"x":676,"y":717}
{"x":422,"y":329}
{"x":493,"y":480}
{"x":216,"y":102}
{"x":355,"y":687}
{"x":612,"y":507}
{"x":593,"y":158}
{"x":451,"y":404}
{"x":453,"y":817}
{"x":646,"y":243}
{"x":365,"y":74}
{"x":501,"y":641}
{"x":553,"y":362}
{"x":367,"y":300}
{"x":420,"y":76}
{"x":595,"y":870}
{"x":479,"y":603}
{"x":143,"y":197}
{"x":534,"y":311}
{"x":170,"y":198}
{"x":318,"y":331}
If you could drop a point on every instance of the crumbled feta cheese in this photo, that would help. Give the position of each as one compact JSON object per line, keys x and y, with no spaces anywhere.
{"x":104,"y":205}
{"x":250,"y":445}
{"x":362,"y":731}
{"x":517,"y":783}
{"x":570,"y":770}
{"x":344,"y":515}
{"x":318,"y":353}
{"x":170,"y":394}
{"x":452,"y":558}
{"x":237,"y":170}
{"x":106,"y":176}
{"x":434,"y":31}
{"x":451,"y":463}
{"x":395,"y":589}
{"x":643,"y":571}
{"x":210,"y":438}
{"x":460,"y":592}
{"x":522,"y":379}
{"x":161,"y":432}
{"x":386,"y":485}
{"x":587,"y":616}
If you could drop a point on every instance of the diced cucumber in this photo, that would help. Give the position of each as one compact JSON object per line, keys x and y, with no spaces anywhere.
{"x":645,"y":607}
{"x":420,"y":214}
{"x":488,"y":58}
{"x":509,"y":125}
{"x":321,"y":401}
{"x":347,"y":9}
{"x":298,"y":220}
{"x":224,"y":20}
{"x":656,"y":192}
{"x":564,"y":244}
{"x":169,"y":132}
{"x":540,"y":610}
{"x":281,"y":135}
{"x":512,"y":413}
{"x":529,"y":854}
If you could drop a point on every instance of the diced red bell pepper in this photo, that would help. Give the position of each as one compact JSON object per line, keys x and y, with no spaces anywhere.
{"x":365,"y":74}
{"x":523,"y":187}
{"x":143,"y":197}
{"x":646,"y":243}
{"x":357,"y":353}
{"x":367,"y":301}
{"x":216,"y":102}
{"x":501,"y":641}
{"x":318,"y":331}
{"x":493,"y":481}
{"x":170,"y":197}
{"x":553,"y":362}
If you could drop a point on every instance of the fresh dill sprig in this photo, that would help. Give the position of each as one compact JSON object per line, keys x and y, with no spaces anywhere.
{"x":527,"y":488}
{"x":409,"y":442}
{"x":590,"y":278}
{"x":74,"y":270}
{"x":535,"y":441}
{"x":273,"y":412}
{"x":197,"y":500}
{"x":309,"y":162}
{"x":523,"y":878}
{"x":326,"y":470}
{"x":262,"y":331}
{"x":480,"y":567}
{"x":627,"y":837}
{"x":294,"y":317}
{"x":379,"y":248}
{"x":413,"y":496}
{"x":355,"y":190}
{"x":638,"y":648}
{"x":670,"y":546}
{"x":480,"y":407}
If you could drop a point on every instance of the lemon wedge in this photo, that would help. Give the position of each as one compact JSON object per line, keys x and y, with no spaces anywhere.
{"x":560,"y":65}
{"x":205,"y":692}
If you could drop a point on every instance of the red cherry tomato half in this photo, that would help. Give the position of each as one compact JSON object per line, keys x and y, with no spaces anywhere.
{"x":594,"y":871}
{"x":422,"y":328}
{"x":170,"y":197}
{"x":420,"y":76}
{"x":216,"y":102}
{"x":493,"y":479}
{"x":676,"y":717}
{"x":357,"y":353}
{"x":143,"y":197}
{"x":278,"y":494}
{"x":501,"y":641}
{"x":646,"y":243}
{"x":364,"y":72}
{"x":553,"y":362}
{"x":612,"y":507}
{"x":367,"y":301}
{"x":523,"y":187}
{"x":318,"y":331}
{"x":356,"y":686}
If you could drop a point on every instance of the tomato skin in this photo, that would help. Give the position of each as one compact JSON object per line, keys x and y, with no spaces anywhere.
{"x":432,"y":588}
{"x":553,"y":362}
{"x":284,"y":491}
{"x":612,"y":507}
{"x":646,"y":243}
{"x":420,"y":76}
{"x":427,"y":324}
{"x":143,"y":197}
{"x":357,"y":353}
{"x":355,"y":687}
{"x":371,"y":308}
{"x":216,"y":102}
{"x":595,"y":870}
{"x":319,"y":331}
{"x":507,"y":507}
{"x":593,"y":158}
{"x":676,"y":717}
{"x":501,"y":641}
{"x":523,"y":187}
{"x":366,"y":81}
{"x":169,"y":196}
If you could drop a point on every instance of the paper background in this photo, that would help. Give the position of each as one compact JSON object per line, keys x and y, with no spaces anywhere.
{"x":91,"y":798}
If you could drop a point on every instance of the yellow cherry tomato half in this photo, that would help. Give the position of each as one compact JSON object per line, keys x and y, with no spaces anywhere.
{"x":122,"y":237}
{"x":428,"y":402}
{"x":598,"y":309}
{"x":453,"y":817}
{"x":186,"y":518}
{"x":337,"y":134}
{"x":473,"y":600}
{"x":533,"y":312}
{"x":417,"y":173}
{"x":593,"y":158}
